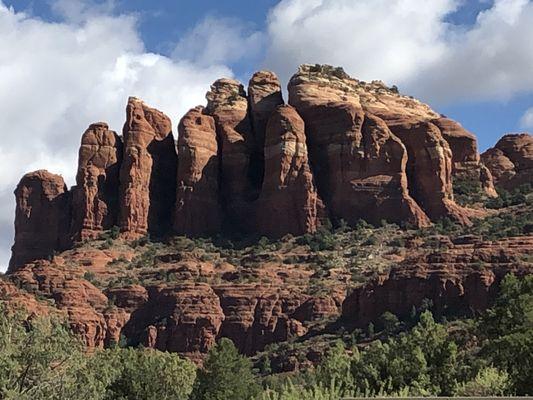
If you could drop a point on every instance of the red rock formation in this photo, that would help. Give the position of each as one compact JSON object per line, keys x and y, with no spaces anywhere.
{"x":42,"y":218}
{"x":83,"y":304}
{"x":429,"y":170}
{"x":148,"y":172}
{"x":288,"y":190}
{"x":197,"y":199}
{"x":463,"y":144}
{"x":461,"y":279}
{"x":264,"y":96}
{"x":465,"y":157}
{"x":228,"y":104}
{"x":256,"y":316}
{"x":95,"y":196}
{"x":183,"y":319}
{"x":511,"y":160}
{"x":358,"y":163}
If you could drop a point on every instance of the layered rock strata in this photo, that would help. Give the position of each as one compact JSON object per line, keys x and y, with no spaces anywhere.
{"x":359,"y":165}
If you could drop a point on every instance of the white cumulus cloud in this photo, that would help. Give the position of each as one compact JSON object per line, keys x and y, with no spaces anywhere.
{"x":59,"y":77}
{"x":219,"y":40}
{"x":411,"y":43}
{"x":526,"y":121}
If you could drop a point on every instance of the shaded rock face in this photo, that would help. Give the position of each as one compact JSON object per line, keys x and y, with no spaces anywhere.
{"x":466,"y":163}
{"x":511,"y":160}
{"x":198,"y":210}
{"x":288,"y":190}
{"x":95,"y":196}
{"x":148,"y":172}
{"x":451,"y":279}
{"x":189,"y":318}
{"x":359,"y":165}
{"x":429,"y":171}
{"x":41,"y":219}
{"x":228,"y":104}
{"x":264,"y":96}
{"x":183,"y":319}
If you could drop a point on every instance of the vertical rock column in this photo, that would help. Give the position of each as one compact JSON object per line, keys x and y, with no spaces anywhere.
{"x":197,"y":202}
{"x":95,"y":196}
{"x":288,"y":191}
{"x":227,"y":103}
{"x":429,"y":170}
{"x":41,"y":219}
{"x":264,"y":96}
{"x":148,"y":172}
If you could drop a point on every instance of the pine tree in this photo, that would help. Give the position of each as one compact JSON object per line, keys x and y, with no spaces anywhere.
{"x":226,"y":375}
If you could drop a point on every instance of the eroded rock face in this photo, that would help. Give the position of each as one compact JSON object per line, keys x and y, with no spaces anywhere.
{"x":183,"y":319}
{"x":264,"y":96}
{"x":148,"y":172}
{"x":82,"y":303}
{"x":511,"y":160}
{"x":197,"y":200}
{"x":228,"y":104}
{"x":359,"y":164}
{"x":41,"y":219}
{"x":451,"y":279}
{"x":95,"y":196}
{"x":288,"y":190}
{"x":257,"y":316}
{"x":429,"y":171}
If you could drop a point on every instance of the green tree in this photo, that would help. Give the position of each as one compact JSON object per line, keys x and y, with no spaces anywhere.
{"x":488,"y":382}
{"x":41,"y":359}
{"x":149,"y":375}
{"x":508,"y":327}
{"x":226,"y":375}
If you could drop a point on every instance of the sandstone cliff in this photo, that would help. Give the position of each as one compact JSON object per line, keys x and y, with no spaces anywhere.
{"x":247,"y":164}
{"x":344,"y":150}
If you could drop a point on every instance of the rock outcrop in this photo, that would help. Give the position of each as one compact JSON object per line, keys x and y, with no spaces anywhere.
{"x":228,"y":104}
{"x":42,"y":218}
{"x":148,"y":171}
{"x":511,"y":161}
{"x":198,"y":210}
{"x":462,"y":279}
{"x":248,"y":164}
{"x":264,"y":96}
{"x":359,"y":165}
{"x":95,"y":196}
{"x":288,"y":190}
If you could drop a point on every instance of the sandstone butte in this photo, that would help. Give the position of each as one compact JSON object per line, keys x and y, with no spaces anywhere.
{"x":249,"y":163}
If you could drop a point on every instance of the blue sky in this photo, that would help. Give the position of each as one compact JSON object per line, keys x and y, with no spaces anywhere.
{"x":161,"y":24}
{"x":67,"y":63}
